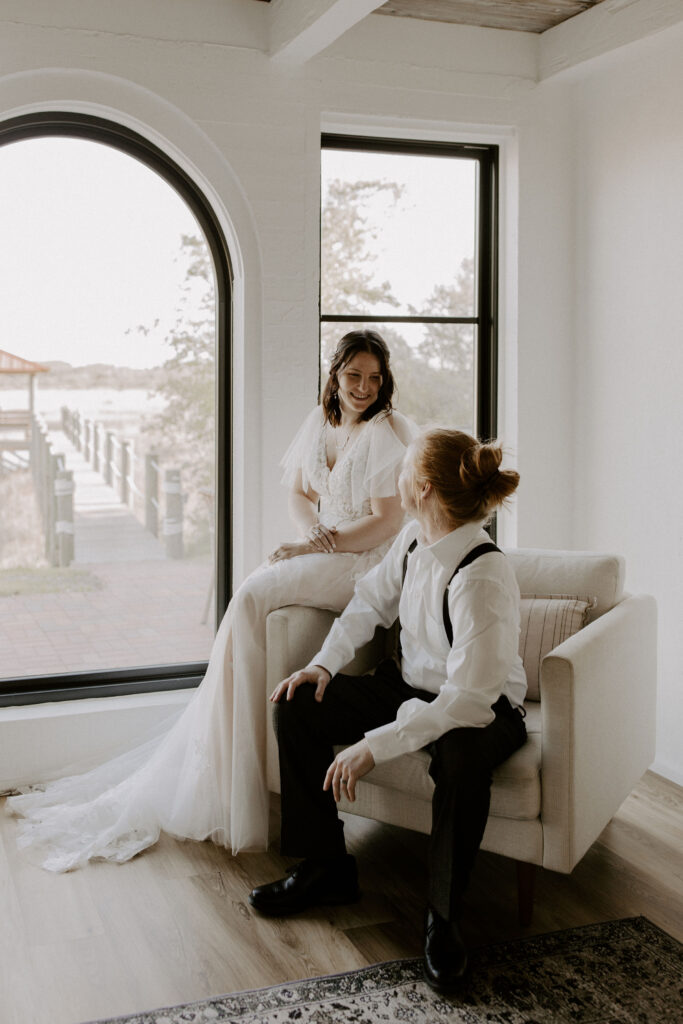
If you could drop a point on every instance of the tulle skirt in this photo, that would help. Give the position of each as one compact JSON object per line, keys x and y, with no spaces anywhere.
{"x":203,"y":774}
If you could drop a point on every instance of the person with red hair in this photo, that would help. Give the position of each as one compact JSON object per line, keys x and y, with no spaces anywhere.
{"x":456,"y":688}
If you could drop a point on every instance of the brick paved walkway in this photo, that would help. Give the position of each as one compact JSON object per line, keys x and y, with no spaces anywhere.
{"x":144,"y":613}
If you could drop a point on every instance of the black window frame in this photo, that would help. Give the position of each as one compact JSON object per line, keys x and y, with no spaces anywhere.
{"x":108,"y":683}
{"x":485,"y":319}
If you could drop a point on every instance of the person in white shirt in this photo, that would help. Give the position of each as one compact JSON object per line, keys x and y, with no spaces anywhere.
{"x":456,"y":687}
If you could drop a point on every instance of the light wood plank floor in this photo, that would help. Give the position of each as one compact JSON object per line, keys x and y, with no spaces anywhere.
{"x":174,"y":924}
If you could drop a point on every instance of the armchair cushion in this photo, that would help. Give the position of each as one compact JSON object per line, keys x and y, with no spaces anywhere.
{"x":516,"y":790}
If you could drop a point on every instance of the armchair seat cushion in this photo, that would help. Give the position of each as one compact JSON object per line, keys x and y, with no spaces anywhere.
{"x":516,"y":789}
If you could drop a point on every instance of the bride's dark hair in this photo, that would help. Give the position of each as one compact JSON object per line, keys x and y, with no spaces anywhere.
{"x":349,"y":346}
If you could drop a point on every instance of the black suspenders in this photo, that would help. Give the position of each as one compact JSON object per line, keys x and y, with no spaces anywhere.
{"x":481,"y":549}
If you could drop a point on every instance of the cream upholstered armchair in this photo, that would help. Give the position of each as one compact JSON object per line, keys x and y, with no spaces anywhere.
{"x":590,"y":655}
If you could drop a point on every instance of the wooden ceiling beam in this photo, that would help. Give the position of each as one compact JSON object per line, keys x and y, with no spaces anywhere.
{"x":300,"y":29}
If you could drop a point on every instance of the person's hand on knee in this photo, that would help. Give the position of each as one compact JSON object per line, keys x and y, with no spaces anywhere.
{"x":311,"y":674}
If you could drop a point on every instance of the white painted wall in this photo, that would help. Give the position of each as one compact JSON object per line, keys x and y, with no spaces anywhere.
{"x":629,"y":339}
{"x":198,"y":81}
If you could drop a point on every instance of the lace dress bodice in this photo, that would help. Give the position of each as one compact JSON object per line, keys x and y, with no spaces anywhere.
{"x":368,"y":468}
{"x":335,"y":485}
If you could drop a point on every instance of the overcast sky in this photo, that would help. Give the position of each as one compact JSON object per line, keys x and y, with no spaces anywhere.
{"x":90,"y":248}
{"x":91,"y":244}
{"x":423,"y":237}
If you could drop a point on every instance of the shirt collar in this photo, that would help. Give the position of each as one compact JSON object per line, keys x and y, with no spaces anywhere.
{"x":451,"y":549}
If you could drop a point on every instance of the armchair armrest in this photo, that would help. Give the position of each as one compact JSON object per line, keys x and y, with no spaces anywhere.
{"x":598,"y":694}
{"x":295,"y":633}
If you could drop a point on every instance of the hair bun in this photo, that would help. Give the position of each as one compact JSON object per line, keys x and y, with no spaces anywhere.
{"x":465,"y":474}
{"x":479,"y":464}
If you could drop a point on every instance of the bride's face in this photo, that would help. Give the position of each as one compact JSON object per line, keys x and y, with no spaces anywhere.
{"x":359,"y":382}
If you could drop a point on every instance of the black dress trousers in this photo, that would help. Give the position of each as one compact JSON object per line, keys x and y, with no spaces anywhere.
{"x":462,"y":762}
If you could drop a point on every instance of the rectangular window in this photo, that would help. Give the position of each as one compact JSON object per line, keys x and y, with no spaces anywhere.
{"x":408,"y":246}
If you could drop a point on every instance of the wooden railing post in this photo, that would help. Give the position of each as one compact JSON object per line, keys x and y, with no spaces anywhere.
{"x":43,"y":474}
{"x":124,"y":466}
{"x":86,"y":440}
{"x":54,"y":464}
{"x":33,"y":456}
{"x":173,"y":518}
{"x":64,"y":525}
{"x":96,"y":446}
{"x":109,"y":457}
{"x":152,"y":493}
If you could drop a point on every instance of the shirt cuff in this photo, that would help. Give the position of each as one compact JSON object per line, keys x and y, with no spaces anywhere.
{"x":327,"y":659}
{"x":384,"y":742}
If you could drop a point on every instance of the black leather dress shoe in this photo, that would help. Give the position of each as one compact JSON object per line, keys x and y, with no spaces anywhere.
{"x":445,"y":953}
{"x":309,"y":884}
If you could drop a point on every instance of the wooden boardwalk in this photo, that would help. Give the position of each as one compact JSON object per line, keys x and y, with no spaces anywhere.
{"x":121,"y":603}
{"x":105,"y":530}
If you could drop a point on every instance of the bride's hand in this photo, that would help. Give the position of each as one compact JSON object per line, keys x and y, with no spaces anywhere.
{"x":291,"y":550}
{"x":322,"y":537}
{"x":319,"y":540}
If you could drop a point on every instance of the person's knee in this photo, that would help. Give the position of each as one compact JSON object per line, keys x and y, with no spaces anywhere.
{"x":457,"y":755}
{"x":256,"y":589}
{"x":290,"y":715}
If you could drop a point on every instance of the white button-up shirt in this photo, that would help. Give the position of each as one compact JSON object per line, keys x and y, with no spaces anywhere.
{"x":469,"y":676}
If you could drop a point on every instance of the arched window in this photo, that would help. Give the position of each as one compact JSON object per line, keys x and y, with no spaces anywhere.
{"x":130,"y":495}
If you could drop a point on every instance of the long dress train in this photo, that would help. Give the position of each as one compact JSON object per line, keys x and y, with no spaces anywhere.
{"x":204,"y":776}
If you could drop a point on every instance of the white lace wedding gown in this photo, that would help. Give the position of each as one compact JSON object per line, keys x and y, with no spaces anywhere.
{"x":204,"y":776}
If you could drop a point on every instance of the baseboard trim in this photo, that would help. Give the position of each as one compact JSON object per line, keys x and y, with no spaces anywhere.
{"x":43,"y":741}
{"x":668,"y":771}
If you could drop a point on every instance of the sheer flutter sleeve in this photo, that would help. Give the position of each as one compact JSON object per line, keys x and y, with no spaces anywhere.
{"x":390,"y":436}
{"x":302,"y":453}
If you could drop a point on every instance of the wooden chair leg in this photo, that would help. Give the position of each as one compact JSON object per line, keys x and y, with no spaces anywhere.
{"x":526,"y":875}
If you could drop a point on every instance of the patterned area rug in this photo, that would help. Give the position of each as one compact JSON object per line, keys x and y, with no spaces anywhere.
{"x":619,"y":972}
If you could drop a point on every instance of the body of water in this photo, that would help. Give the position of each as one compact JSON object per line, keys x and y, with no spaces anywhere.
{"x":102,"y":404}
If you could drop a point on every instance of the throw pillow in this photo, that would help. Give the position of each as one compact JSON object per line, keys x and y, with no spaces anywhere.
{"x":545,"y":623}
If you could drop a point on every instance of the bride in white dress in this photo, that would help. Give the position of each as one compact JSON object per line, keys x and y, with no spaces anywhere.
{"x":204,"y":775}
